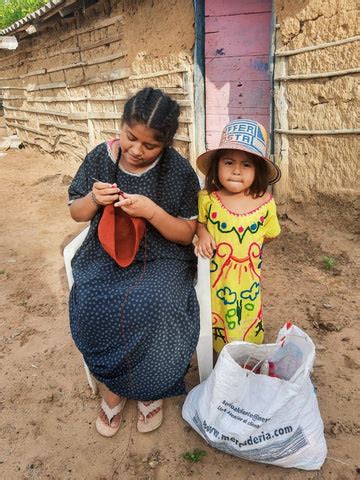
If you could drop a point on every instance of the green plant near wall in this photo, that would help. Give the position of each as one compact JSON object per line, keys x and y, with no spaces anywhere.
{"x":13,"y":10}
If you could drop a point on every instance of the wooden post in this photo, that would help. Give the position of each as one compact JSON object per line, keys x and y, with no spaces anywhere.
{"x":199,"y":72}
{"x":271,"y":76}
{"x":281,"y":143}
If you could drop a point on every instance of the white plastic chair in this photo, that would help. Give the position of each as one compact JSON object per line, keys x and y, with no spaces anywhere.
{"x":204,"y":349}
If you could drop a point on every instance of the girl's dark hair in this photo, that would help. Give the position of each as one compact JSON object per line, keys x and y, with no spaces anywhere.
{"x":261,"y":180}
{"x":154,"y":109}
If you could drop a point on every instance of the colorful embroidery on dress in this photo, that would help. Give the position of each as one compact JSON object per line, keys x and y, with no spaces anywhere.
{"x":235,"y":269}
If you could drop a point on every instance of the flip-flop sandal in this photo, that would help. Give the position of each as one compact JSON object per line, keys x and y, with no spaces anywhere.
{"x":150,"y":423}
{"x":108,"y":430}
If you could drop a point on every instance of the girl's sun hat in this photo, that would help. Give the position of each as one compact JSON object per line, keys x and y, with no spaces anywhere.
{"x":246,"y":135}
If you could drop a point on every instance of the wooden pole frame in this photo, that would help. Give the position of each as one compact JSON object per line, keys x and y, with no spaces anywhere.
{"x":281,"y":142}
{"x":310,"y":48}
{"x":199,"y":75}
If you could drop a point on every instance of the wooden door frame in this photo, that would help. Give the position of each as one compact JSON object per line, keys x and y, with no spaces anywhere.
{"x":199,"y":77}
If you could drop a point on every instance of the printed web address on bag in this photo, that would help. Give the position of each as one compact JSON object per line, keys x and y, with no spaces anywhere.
{"x":267,"y":454}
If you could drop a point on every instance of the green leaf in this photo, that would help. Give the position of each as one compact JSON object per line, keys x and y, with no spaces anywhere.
{"x":13,"y":10}
{"x":194,"y":456}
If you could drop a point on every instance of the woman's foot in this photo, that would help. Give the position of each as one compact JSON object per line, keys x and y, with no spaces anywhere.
{"x":150,"y":415}
{"x":109,"y":418}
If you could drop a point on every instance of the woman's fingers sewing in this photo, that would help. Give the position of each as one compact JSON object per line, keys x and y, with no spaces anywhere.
{"x":125,"y":201}
{"x":105,"y":193}
{"x":136,"y":205}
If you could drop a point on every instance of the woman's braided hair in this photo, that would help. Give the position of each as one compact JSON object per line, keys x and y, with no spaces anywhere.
{"x":156,"y":110}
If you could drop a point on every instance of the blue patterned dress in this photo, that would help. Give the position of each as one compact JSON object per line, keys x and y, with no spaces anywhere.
{"x":137,"y":327}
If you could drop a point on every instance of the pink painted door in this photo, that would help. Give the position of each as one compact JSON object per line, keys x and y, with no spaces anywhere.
{"x":237,"y":47}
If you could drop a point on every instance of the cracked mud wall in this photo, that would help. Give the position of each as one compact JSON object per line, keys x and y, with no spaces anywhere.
{"x":318,"y":164}
{"x":65,"y":87}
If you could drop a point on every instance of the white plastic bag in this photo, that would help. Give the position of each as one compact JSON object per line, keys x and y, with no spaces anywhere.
{"x":258,"y":417}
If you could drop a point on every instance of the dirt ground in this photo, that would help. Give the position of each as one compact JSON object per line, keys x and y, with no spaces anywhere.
{"x":47,"y":417}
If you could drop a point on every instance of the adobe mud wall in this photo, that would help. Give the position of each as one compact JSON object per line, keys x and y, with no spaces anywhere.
{"x":318,"y":163}
{"x":65,"y":86}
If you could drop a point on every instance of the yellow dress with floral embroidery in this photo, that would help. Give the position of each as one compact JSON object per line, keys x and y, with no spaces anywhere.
{"x":236,"y":267}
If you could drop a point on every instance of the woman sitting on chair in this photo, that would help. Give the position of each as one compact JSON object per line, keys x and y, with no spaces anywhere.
{"x":134,"y":314}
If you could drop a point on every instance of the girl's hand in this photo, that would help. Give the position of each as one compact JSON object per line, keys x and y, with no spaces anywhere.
{"x":105,"y":193}
{"x":137,"y":205}
{"x":205,"y":245}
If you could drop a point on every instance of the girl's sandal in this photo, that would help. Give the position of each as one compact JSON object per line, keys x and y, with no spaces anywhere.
{"x":108,"y":430}
{"x":150,"y":423}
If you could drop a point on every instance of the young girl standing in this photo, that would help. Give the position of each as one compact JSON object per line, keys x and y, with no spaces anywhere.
{"x":236,"y":218}
{"x":137,"y":324}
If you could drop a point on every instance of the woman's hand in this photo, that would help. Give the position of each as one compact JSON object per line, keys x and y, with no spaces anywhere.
{"x":177,"y":230}
{"x":105,"y":193}
{"x":137,"y":205}
{"x":205,"y":245}
{"x":85,"y":208}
